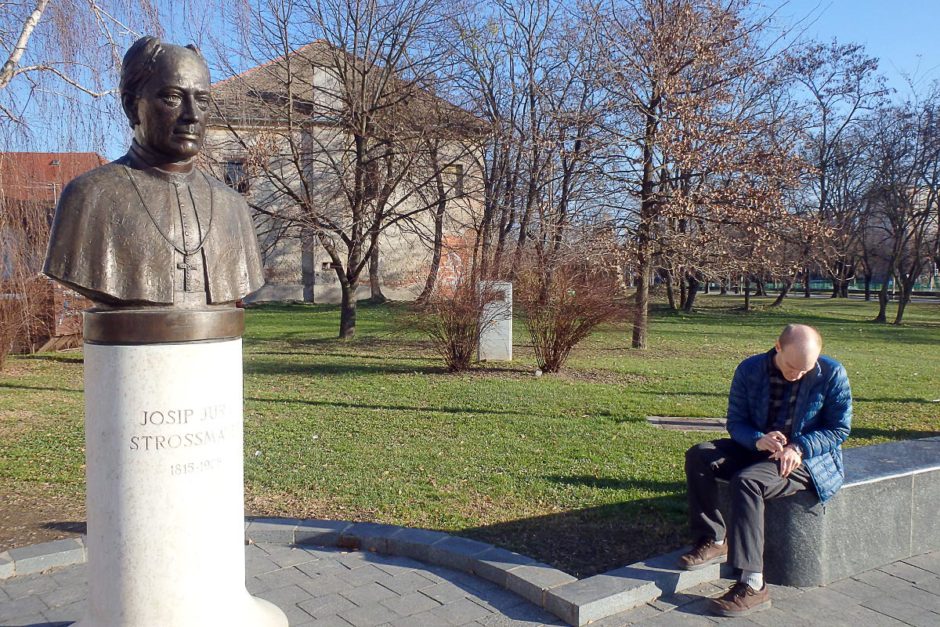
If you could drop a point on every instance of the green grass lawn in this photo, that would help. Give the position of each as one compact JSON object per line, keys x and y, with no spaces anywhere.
{"x":561,"y":467}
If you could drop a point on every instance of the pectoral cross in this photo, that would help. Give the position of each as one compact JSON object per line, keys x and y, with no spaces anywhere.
{"x":186,"y":266}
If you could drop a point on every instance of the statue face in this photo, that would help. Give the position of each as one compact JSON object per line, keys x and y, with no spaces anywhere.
{"x":172,"y":106}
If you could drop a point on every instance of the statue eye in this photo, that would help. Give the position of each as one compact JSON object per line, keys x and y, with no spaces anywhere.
{"x":172,"y":100}
{"x":203,"y":103}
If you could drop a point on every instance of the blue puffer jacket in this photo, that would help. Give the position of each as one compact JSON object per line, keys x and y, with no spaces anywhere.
{"x":821,"y":422}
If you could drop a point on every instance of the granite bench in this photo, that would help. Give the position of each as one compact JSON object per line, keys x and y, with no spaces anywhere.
{"x":888,"y":509}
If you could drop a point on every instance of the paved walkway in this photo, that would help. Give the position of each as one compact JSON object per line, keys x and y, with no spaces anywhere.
{"x":326,"y":587}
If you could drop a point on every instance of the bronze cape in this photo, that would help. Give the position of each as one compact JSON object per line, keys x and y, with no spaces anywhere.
{"x":105,"y":245}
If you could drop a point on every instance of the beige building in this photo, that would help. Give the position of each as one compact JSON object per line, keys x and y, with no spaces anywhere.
{"x":320,"y":168}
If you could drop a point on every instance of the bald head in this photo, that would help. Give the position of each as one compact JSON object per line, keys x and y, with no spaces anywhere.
{"x":798,"y":348}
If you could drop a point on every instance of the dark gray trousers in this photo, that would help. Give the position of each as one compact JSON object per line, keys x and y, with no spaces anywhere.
{"x":753,"y":479}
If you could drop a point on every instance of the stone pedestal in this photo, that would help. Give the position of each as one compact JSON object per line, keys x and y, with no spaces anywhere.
{"x":496,"y":323}
{"x":164,"y":466}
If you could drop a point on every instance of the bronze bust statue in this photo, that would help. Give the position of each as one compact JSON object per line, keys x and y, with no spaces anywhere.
{"x":150,"y":229}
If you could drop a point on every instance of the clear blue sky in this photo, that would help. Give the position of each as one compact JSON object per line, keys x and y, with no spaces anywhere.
{"x":903,"y":34}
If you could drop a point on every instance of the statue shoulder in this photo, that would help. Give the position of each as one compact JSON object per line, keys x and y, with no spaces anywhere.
{"x":92,"y":185}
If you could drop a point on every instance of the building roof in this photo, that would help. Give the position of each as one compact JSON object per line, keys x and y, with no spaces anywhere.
{"x":258,"y":96}
{"x":40,"y":176}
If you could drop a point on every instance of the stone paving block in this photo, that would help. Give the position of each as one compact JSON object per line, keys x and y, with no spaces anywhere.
{"x":283,"y":577}
{"x":327,"y":605}
{"x":411,"y":603}
{"x":329,"y":621}
{"x":29,"y":585}
{"x":364,"y":575}
{"x":855,"y":589}
{"x":27,"y":621}
{"x":907,"y":572}
{"x":67,"y":614}
{"x":286,"y":595}
{"x":494,"y":563}
{"x":368,"y":616}
{"x":882,"y":580}
{"x":321,"y":585}
{"x":422,"y":619}
{"x":319,"y":532}
{"x":407,"y":582}
{"x":443,"y":593}
{"x":322,"y":567}
{"x":635,"y":616}
{"x":930,"y":585}
{"x":291,"y":556}
{"x":597,"y":597}
{"x":272,"y":530}
{"x":927,"y":561}
{"x":39,"y":557}
{"x":369,"y":594}
{"x":64,"y":595}
{"x":368,"y":536}
{"x":6,"y":565}
{"x":396,"y":565}
{"x":295,"y":615}
{"x":918,"y":598}
{"x":927,"y":619}
{"x":21,"y":607}
{"x":456,"y":553}
{"x":414,"y":543}
{"x":460,"y":612}
{"x":670,"y":619}
{"x":531,"y":582}
{"x":775,"y":617}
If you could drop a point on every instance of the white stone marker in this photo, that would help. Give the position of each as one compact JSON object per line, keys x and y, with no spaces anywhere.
{"x":496,"y":323}
{"x":165,"y":495}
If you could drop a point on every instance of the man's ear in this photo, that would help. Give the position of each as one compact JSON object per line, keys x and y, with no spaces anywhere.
{"x":129,"y":104}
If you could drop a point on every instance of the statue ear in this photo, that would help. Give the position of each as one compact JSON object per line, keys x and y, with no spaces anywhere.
{"x":129,"y":104}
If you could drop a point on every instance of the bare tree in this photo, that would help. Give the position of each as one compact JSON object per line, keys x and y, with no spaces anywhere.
{"x":338,"y":128}
{"x":839,"y":84}
{"x":905,"y":152}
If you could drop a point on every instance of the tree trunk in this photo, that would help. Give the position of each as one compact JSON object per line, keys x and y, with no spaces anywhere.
{"x":435,"y":253}
{"x":723,"y":287}
{"x":693,"y":286}
{"x":347,"y":310}
{"x":375,"y":276}
{"x":683,"y":293}
{"x":641,"y":315}
{"x":868,"y":287}
{"x":670,"y":290}
{"x":747,"y":294}
{"x":806,"y":279}
{"x":882,"y":303}
{"x":787,"y":284}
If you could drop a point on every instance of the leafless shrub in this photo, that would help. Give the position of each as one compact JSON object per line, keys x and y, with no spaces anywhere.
{"x":454,"y":316}
{"x":562,"y":305}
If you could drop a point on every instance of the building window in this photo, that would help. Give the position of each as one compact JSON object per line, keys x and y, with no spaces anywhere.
{"x":454,"y":175}
{"x":236,"y":177}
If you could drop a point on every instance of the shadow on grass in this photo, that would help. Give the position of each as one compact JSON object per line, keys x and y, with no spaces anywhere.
{"x":891,"y":434}
{"x":278,"y":367}
{"x":603,"y":483}
{"x":888,"y":399}
{"x":69,"y":526}
{"x":57,"y":357}
{"x":13,"y":386}
{"x":428,"y":410}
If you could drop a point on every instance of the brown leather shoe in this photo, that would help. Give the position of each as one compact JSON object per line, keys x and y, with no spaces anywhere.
{"x":703,"y":554}
{"x":741,"y":600}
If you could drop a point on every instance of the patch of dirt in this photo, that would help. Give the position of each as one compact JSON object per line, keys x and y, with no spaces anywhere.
{"x":37,"y":512}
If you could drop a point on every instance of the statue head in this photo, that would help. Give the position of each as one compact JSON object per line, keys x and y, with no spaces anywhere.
{"x":165,"y":95}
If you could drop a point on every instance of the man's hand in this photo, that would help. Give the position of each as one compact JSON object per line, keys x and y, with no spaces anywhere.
{"x":772,"y":442}
{"x":789,"y":459}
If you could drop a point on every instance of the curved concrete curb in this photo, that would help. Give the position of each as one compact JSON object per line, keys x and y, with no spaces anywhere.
{"x":575,"y":601}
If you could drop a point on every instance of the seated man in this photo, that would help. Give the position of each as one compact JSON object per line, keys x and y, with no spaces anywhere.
{"x":789,"y":411}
